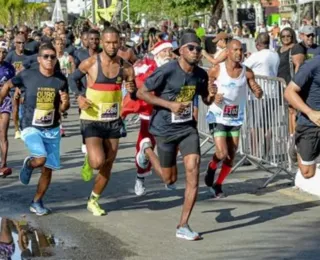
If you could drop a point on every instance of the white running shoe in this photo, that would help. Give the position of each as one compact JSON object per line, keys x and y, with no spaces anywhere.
{"x":142,"y":160}
{"x":170,"y":186}
{"x":84,"y":149}
{"x":139,"y":188}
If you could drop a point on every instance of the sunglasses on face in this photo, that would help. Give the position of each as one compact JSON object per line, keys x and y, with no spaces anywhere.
{"x":47,"y":56}
{"x":193,"y":47}
{"x":20,"y":42}
{"x":310,"y":35}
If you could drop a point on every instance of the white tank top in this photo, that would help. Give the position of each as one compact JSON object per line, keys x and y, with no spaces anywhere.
{"x":231,"y":111}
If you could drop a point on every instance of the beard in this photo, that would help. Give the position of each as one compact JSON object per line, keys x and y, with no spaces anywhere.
{"x":112,"y":55}
{"x":161,"y":61}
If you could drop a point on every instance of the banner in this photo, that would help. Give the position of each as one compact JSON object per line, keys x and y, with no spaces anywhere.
{"x":105,"y":9}
{"x":57,"y":14}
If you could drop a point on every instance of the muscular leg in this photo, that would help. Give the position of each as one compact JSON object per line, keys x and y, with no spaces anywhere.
{"x":191,"y":163}
{"x":15,"y":111}
{"x":43,"y":184}
{"x":4,"y":145}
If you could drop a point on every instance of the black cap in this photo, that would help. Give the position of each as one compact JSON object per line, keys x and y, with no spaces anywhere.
{"x":185,"y":39}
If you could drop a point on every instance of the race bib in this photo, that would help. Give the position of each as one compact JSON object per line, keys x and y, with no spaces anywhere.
{"x":108,"y":111}
{"x":43,"y":117}
{"x":231,"y":111}
{"x":185,"y":116}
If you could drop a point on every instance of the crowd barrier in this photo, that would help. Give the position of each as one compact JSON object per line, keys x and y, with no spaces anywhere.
{"x":264,"y":134}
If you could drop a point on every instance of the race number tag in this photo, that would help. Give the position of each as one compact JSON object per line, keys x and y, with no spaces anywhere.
{"x":43,"y":117}
{"x":231,"y":111}
{"x":185,"y":116}
{"x":108,"y":111}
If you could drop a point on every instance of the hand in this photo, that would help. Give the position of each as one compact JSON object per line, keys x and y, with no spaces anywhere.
{"x":178,"y":107}
{"x":84,"y":103}
{"x":17,"y":94}
{"x":212,"y":89}
{"x":130,"y":86}
{"x":218,"y":98}
{"x":258,"y":93}
{"x":64,"y":97}
{"x":314,"y":116}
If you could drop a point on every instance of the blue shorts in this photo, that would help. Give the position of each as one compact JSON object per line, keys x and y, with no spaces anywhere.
{"x":43,"y":143}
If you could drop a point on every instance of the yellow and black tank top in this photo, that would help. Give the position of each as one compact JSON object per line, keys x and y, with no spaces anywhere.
{"x":105,"y":95}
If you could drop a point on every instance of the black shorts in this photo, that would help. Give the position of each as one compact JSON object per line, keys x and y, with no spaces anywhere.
{"x":167,"y":147}
{"x":308,"y":143}
{"x":104,"y":130}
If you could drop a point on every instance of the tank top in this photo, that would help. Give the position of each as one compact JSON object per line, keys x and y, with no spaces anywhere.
{"x":105,"y":95}
{"x":231,"y":111}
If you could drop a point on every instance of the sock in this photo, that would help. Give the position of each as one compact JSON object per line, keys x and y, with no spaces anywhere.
{"x":94,"y":196}
{"x":225,"y":170}
{"x":214,"y":163}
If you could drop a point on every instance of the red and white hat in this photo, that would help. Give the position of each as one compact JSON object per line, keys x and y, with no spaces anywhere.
{"x":160,"y":46}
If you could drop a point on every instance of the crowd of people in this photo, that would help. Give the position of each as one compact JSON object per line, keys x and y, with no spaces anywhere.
{"x":115,"y":72}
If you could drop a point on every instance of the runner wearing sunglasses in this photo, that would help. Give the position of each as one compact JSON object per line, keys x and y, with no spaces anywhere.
{"x":172,"y":123}
{"x":46,"y":94}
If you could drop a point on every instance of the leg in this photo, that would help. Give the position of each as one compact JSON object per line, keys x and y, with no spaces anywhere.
{"x":307,"y":171}
{"x":15,"y":111}
{"x":43,"y":184}
{"x":4,"y":145}
{"x":5,"y":231}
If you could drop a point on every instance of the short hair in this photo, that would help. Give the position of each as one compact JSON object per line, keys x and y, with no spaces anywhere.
{"x":57,"y":39}
{"x":111,"y":29}
{"x":106,"y":24}
{"x":263,"y":39}
{"x":197,"y":22}
{"x":84,"y":33}
{"x":45,"y":47}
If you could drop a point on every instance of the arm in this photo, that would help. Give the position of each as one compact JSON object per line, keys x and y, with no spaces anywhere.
{"x":207,"y":88}
{"x":145,"y":94}
{"x":133,"y":57}
{"x":297,"y":61}
{"x":253,"y":85}
{"x":221,"y":58}
{"x":291,"y":94}
{"x":78,"y":74}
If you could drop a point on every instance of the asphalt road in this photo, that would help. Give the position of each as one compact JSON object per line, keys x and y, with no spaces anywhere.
{"x":278,"y":222}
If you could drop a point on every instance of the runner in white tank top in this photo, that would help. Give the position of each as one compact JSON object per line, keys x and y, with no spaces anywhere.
{"x":226,"y":115}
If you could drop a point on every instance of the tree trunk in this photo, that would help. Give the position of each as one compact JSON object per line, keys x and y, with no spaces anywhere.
{"x":216,"y":12}
{"x":117,"y":13}
{"x":11,"y":17}
{"x":235,"y":11}
{"x":227,"y":12}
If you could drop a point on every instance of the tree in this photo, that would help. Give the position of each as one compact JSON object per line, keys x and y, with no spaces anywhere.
{"x":13,"y":8}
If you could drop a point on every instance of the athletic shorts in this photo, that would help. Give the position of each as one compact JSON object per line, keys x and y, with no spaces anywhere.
{"x":6,"y":106}
{"x":167,"y":147}
{"x":220,"y":130}
{"x":6,"y":250}
{"x":104,"y":130}
{"x":43,"y":143}
{"x":308,"y":143}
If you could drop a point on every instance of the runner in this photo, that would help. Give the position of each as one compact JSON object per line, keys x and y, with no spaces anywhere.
{"x":145,"y":157}
{"x":6,"y":72}
{"x":302,"y":94}
{"x":16,"y":57}
{"x":46,"y":93}
{"x":174,"y":85}
{"x":100,"y":110}
{"x":227,"y":112}
{"x":126,"y":53}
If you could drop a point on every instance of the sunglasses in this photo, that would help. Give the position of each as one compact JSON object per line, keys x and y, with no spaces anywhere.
{"x":47,"y":56}
{"x":20,"y":42}
{"x":286,"y":36}
{"x":192,"y":48}
{"x":310,"y":35}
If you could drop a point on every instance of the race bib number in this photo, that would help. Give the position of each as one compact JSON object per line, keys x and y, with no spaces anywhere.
{"x":43,"y":117}
{"x":231,"y":111}
{"x":185,"y":116}
{"x":108,"y":111}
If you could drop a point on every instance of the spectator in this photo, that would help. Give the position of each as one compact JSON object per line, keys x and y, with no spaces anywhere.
{"x":284,"y":24}
{"x":245,"y":31}
{"x":200,"y":32}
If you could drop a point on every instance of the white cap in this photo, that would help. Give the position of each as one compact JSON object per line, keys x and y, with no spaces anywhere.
{"x":3,"y":45}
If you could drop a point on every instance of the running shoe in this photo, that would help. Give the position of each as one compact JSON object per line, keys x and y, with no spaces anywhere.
{"x":139,"y":187}
{"x":209,"y":177}
{"x":141,"y":158}
{"x":65,"y":114}
{"x":94,"y":207}
{"x":4,"y":172}
{"x":86,"y":171}
{"x":84,"y":149}
{"x":39,"y":209}
{"x":216,"y":191}
{"x":186,"y":232}
{"x":170,"y":186}
{"x":26,"y":172}
{"x":17,"y":135}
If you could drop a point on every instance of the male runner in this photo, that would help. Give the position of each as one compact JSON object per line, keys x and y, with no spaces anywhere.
{"x":303,"y":94}
{"x":174,"y":85}
{"x":126,"y":53}
{"x":227,"y":112}
{"x":6,"y":72}
{"x":100,"y":109}
{"x":46,"y":94}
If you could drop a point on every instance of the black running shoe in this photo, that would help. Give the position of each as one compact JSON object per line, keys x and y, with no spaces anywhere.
{"x":216,"y":191}
{"x":209,"y":178}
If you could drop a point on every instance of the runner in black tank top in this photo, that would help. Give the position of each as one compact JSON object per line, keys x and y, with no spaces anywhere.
{"x":100,"y":111}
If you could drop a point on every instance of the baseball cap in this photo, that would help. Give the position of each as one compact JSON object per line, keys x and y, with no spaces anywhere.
{"x":221,"y":36}
{"x":3,"y":45}
{"x":308,"y":29}
{"x":185,"y":39}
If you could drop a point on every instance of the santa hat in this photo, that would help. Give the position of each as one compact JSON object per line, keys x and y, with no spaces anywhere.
{"x":160,"y":46}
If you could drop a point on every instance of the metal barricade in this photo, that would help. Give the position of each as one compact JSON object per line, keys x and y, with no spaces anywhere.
{"x":264,"y":134}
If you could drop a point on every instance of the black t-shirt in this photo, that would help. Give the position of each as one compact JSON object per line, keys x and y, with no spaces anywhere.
{"x":308,"y":79}
{"x":41,"y":98}
{"x":16,"y":60}
{"x":284,"y":65}
{"x":171,"y":83}
{"x":309,"y":52}
{"x":31,"y":47}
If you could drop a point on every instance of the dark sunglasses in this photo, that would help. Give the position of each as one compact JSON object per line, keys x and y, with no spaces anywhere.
{"x":286,"y":36}
{"x":20,"y":42}
{"x":192,"y":48}
{"x":310,"y":35}
{"x":47,"y":56}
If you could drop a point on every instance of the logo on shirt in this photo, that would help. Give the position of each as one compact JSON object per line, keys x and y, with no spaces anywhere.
{"x":45,"y":98}
{"x":186,"y":94}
